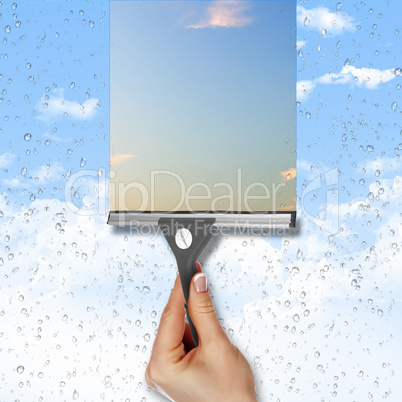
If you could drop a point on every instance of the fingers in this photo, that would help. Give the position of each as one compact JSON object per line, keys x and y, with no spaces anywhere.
{"x":171,"y":328}
{"x":202,"y":310}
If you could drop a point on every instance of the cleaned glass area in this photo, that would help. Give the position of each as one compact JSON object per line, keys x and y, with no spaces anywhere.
{"x":203,"y":106}
{"x":316,"y":312}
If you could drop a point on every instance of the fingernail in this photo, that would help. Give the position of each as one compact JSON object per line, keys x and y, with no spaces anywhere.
{"x":201,"y":283}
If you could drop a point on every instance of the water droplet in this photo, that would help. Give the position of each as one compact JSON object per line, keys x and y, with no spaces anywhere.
{"x":257,"y":361}
{"x":147,"y":337}
{"x":72,"y":85}
{"x":20,"y":369}
{"x":296,"y":318}
{"x":27,"y":136}
{"x":362,"y":182}
{"x":394,"y":106}
{"x":32,"y":197}
{"x":91,"y":24}
{"x":398,"y":71}
{"x":7,"y":29}
{"x":75,"y":394}
{"x":146,"y":289}
{"x":370,"y":148}
{"x":65,"y":317}
{"x":306,"y":21}
{"x":317,"y":354}
{"x":83,"y":162}
{"x":29,"y":65}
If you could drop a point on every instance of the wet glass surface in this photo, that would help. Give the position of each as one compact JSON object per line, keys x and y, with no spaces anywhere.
{"x":316,"y":312}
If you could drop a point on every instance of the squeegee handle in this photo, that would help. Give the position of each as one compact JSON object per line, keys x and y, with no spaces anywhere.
{"x":186,"y":272}
{"x":201,"y":230}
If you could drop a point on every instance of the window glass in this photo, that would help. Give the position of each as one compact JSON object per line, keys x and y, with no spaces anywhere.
{"x":316,"y":312}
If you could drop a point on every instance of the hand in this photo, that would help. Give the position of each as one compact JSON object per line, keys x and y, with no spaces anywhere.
{"x":213,"y":371}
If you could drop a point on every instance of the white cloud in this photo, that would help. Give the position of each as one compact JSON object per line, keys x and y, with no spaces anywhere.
{"x":369,"y":78}
{"x":382,"y":165}
{"x":6,"y":159}
{"x":48,"y":173}
{"x":56,"y":138}
{"x":58,"y":107}
{"x":324,"y":21}
{"x":14,"y":182}
{"x":227,"y":14}
{"x":304,"y":89}
{"x":79,"y":288}
{"x":42,"y":175}
{"x":300,"y":44}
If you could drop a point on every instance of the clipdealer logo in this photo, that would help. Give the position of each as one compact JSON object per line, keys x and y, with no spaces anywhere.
{"x":320,"y":201}
{"x":235,"y":197}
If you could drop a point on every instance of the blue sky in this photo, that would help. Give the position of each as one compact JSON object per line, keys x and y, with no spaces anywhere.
{"x":316,"y":312}
{"x":51,"y":57}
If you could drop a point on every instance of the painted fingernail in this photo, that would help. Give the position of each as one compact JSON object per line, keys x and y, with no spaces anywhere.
{"x":201,"y":283}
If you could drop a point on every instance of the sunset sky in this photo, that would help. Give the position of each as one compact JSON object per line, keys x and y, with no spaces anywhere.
{"x":202,"y":89}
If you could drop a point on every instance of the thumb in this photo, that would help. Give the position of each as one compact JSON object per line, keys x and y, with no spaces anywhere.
{"x":202,"y":311}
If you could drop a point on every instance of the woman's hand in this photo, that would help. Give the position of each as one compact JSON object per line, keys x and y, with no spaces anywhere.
{"x":213,"y":371}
